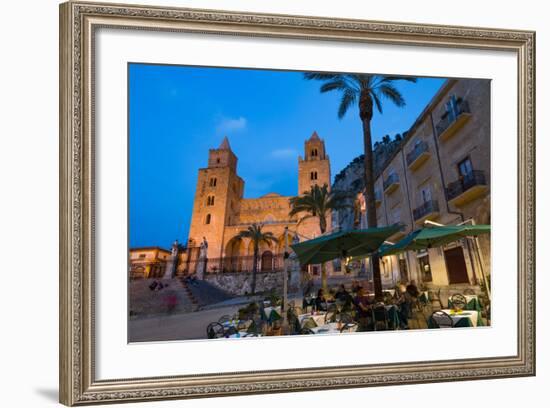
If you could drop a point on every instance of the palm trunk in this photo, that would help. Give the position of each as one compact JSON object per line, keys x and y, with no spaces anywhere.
{"x":324,"y":278}
{"x":254,"y":270}
{"x":371,"y":200}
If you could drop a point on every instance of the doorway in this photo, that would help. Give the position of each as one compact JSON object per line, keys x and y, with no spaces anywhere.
{"x":456,"y":266}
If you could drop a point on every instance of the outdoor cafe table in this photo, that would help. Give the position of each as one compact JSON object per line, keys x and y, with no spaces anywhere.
{"x":319,"y":319}
{"x":466,"y":318}
{"x":272,"y":313}
{"x":472,"y":303}
{"x":241,"y":334}
{"x":331,"y":328}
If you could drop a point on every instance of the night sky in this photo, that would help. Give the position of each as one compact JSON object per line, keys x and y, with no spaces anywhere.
{"x":177,"y":113}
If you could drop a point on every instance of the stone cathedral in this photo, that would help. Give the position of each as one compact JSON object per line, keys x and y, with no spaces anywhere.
{"x":220,"y":212}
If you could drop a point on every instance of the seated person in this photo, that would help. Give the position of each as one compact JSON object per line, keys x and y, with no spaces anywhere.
{"x":321,"y":301}
{"x":342,"y":294}
{"x":363,"y":309}
{"x":412,"y":289}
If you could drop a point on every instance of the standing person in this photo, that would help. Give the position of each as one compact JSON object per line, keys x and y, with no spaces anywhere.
{"x":362,"y":309}
{"x":405,"y":302}
{"x":412,"y":289}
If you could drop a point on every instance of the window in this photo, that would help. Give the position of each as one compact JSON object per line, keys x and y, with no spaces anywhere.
{"x":396,"y":215}
{"x":218,"y":160}
{"x":424,"y":265}
{"x":210,"y":200}
{"x":465,"y":167}
{"x":313,"y":175}
{"x":213,"y":181}
{"x":314,"y":153}
{"x":142,"y":255}
{"x":425,"y":194}
{"x":208,"y":219}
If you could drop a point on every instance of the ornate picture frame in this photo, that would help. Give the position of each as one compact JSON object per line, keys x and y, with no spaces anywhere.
{"x":78,"y":24}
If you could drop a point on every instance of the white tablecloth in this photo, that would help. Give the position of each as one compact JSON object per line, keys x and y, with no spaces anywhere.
{"x":267,"y":310}
{"x":331,"y":328}
{"x":319,"y":319}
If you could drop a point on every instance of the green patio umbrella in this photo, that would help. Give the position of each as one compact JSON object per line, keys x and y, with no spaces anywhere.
{"x":437,"y":236}
{"x":433,"y":236}
{"x":342,"y":244}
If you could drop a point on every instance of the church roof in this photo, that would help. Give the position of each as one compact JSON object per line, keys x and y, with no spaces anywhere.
{"x":314,"y":136}
{"x":225,"y":144}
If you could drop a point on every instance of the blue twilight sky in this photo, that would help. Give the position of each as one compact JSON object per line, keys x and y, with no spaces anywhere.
{"x":177,"y":113}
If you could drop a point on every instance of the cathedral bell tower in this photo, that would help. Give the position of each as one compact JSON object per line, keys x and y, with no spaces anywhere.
{"x":314,"y":167}
{"x":217,"y":196}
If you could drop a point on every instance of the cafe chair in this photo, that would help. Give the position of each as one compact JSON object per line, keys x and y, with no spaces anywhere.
{"x":458,"y":301}
{"x":440,"y":320}
{"x":305,"y":330}
{"x":435,"y":298}
{"x":380,"y":317}
{"x":346,"y":318}
{"x":224,"y":318}
{"x":215,"y":330}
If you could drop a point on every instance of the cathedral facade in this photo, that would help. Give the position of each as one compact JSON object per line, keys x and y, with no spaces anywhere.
{"x":220,"y":211}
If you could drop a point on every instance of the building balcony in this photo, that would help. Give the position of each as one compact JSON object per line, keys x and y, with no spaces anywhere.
{"x":391,"y":183}
{"x":453,"y":120}
{"x":427,"y":211}
{"x":467,"y":188}
{"x":418,"y":155}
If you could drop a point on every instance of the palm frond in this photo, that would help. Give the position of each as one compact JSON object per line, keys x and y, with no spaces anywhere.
{"x":390,"y":78}
{"x":348,"y":98}
{"x":377,"y":102}
{"x":390,"y":92}
{"x":321,"y":76}
{"x":336,"y":84}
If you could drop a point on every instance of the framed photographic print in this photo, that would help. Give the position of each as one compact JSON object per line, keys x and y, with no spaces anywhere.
{"x":256,"y":203}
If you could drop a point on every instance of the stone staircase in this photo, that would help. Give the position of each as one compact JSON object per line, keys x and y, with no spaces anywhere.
{"x":146,"y":302}
{"x":202,"y":293}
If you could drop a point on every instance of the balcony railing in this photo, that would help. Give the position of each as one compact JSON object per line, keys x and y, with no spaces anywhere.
{"x":233,"y":264}
{"x":391,"y":183}
{"x":467,"y":182}
{"x":427,"y":208}
{"x":453,"y":119}
{"x":420,"y":150}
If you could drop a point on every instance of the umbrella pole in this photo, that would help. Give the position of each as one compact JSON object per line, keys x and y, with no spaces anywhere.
{"x":482,"y":269}
{"x":285,"y":280}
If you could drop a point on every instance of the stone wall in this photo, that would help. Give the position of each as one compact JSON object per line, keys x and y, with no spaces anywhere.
{"x":240,"y":283}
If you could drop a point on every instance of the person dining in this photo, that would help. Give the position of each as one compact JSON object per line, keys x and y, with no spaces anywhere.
{"x":362,"y":309}
{"x":321,"y":301}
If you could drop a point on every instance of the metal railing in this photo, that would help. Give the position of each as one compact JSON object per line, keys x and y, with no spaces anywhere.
{"x":234,"y":264}
{"x":416,"y":151}
{"x":465,"y":182}
{"x":452,"y":116}
{"x":391,"y":179}
{"x":426,"y":208}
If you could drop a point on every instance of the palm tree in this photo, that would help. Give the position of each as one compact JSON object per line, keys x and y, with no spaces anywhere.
{"x":367,"y":91}
{"x":318,"y":203}
{"x":257,"y":236}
